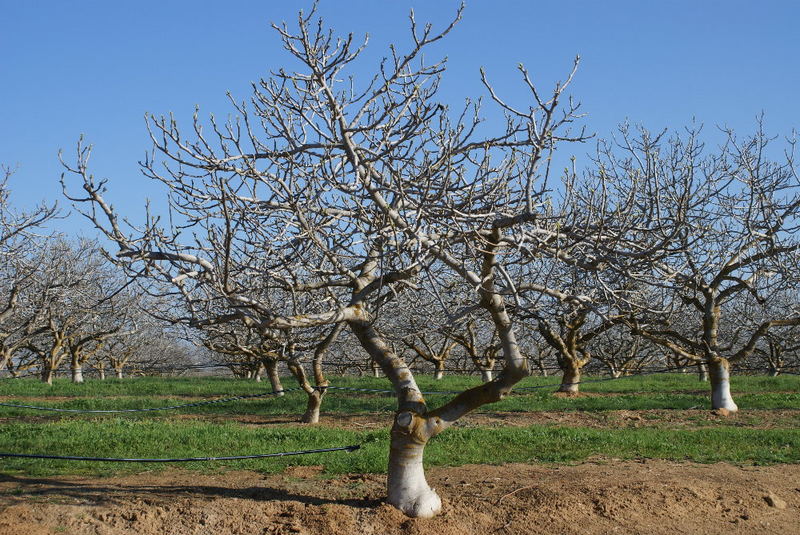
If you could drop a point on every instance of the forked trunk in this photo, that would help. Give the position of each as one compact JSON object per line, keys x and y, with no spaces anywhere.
{"x":486,"y":375}
{"x":407,"y":487}
{"x":719,"y":372}
{"x":274,"y":378}
{"x":570,"y":381}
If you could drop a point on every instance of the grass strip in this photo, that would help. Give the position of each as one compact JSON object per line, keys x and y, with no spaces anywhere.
{"x":535,"y":444}
{"x":216,"y":386}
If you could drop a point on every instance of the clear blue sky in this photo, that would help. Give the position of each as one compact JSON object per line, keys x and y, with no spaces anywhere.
{"x":95,"y":67}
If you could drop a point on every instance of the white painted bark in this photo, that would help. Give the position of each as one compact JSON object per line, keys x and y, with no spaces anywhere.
{"x":119,"y":374}
{"x":77,"y":374}
{"x":102,"y":373}
{"x":486,"y":375}
{"x":407,"y":487}
{"x":570,"y":381}
{"x":721,"y":385}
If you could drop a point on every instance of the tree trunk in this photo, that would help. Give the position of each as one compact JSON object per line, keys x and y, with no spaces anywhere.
{"x":77,"y":373}
{"x":274,"y":378}
{"x":102,"y":373}
{"x":408,"y":489}
{"x":439,"y":373}
{"x":570,"y":381}
{"x":719,"y":372}
{"x":119,"y":374}
{"x":774,"y":372}
{"x":311,"y":415}
{"x":47,"y":375}
{"x":486,"y":375}
{"x":702,"y":371}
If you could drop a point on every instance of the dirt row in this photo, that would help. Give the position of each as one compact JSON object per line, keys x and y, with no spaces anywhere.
{"x":651,"y":497}
{"x":659,"y":418}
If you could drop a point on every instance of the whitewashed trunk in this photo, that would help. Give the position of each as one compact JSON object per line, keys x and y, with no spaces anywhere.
{"x":408,"y":489}
{"x":486,"y":375}
{"x":102,"y":373}
{"x":721,"y":385}
{"x":77,"y":374}
{"x":376,"y":372}
{"x":119,"y":374}
{"x":570,"y":381}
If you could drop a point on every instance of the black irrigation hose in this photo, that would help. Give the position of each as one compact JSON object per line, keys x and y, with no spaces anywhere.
{"x":180,"y":460}
{"x":151,"y":409}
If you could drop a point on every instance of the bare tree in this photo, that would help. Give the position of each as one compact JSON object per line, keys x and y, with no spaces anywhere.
{"x":325,"y":200}
{"x":20,"y":239}
{"x":735,"y":213}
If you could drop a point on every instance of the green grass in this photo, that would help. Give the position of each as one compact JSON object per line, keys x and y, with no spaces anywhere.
{"x":457,"y":446}
{"x":673,"y":391}
{"x":160,"y":434}
{"x":215,"y":386}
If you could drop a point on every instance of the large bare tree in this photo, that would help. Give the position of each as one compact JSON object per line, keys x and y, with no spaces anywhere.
{"x":735,"y":212}
{"x":327,"y":197}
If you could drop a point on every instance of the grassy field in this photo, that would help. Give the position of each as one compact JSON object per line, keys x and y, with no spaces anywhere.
{"x":207,"y":433}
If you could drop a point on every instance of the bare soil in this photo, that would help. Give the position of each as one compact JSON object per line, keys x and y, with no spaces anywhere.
{"x":651,"y":497}
{"x":662,"y":418}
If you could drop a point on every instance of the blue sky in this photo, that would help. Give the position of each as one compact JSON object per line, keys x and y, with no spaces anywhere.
{"x":95,"y":68}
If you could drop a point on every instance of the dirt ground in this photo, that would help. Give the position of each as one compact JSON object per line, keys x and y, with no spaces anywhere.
{"x":600,"y":497}
{"x":662,"y":418}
